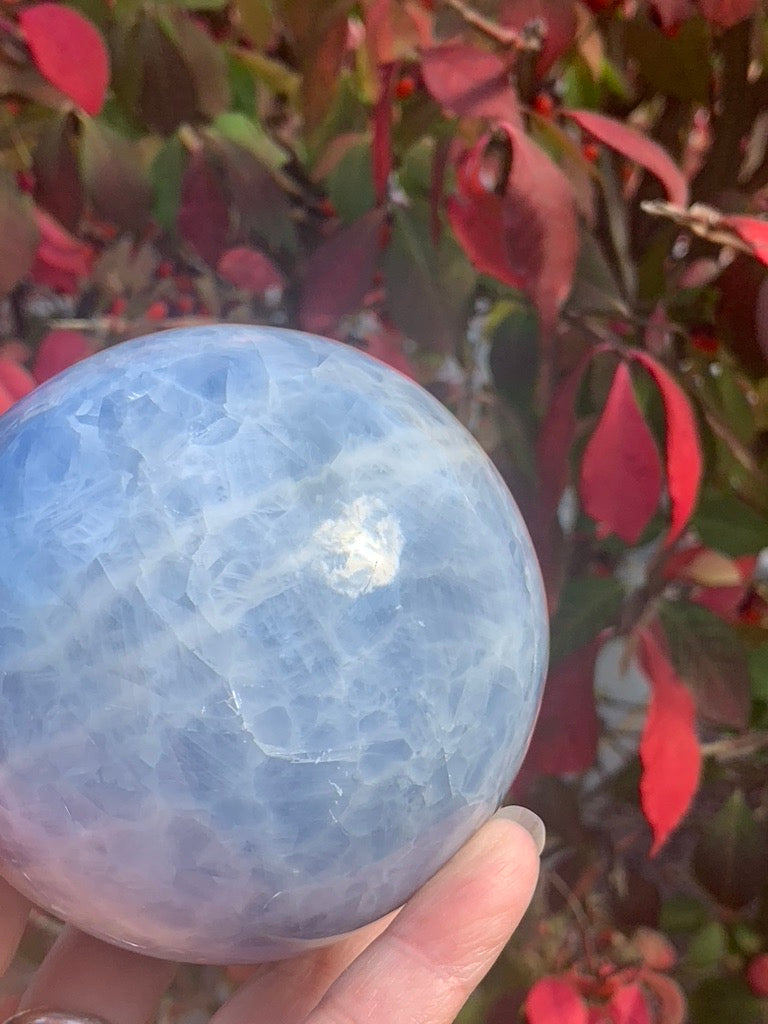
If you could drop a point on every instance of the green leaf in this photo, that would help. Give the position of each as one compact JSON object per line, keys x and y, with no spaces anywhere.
{"x":112,"y":176}
{"x":241,"y":87}
{"x":275,"y":75}
{"x":428,"y":286}
{"x":731,"y":854}
{"x":207,"y":65}
{"x":595,"y":289}
{"x":680,"y":914}
{"x":711,"y":658}
{"x":350,"y":183}
{"x":708,"y":946}
{"x":676,"y":65}
{"x":588,"y":605}
{"x":248,"y":134}
{"x":257,"y":18}
{"x":727,"y":524}
{"x":166,"y":175}
{"x":724,"y":1000}
{"x":200,"y":5}
{"x":758,"y":670}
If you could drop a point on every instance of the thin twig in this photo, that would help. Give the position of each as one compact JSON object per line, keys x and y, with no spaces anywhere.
{"x":499,"y":34}
{"x":731,"y":748}
{"x":119,"y":325}
{"x":579,"y":915}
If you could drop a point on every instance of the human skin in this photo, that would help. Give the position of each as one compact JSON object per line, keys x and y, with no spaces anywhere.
{"x":416,"y":966}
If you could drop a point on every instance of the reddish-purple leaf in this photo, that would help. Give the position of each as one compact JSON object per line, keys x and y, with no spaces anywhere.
{"x":19,"y":235}
{"x":569,"y":696}
{"x":555,"y":1001}
{"x":558,"y":22}
{"x":62,"y":262}
{"x":57,"y":351}
{"x":69,"y":51}
{"x":637,"y":147}
{"x":621,"y":476}
{"x":471,"y":82}
{"x":381,"y":149}
{"x":252,"y":271}
{"x":672,"y":13}
{"x":553,"y":448}
{"x":15,"y":379}
{"x":684,"y":459}
{"x":203,"y":219}
{"x":752,"y":231}
{"x":522,"y":231}
{"x":339,"y":273}
{"x":726,"y":13}
{"x":669,"y":747}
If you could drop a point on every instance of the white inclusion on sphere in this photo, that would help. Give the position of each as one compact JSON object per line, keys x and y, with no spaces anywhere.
{"x":360,"y":550}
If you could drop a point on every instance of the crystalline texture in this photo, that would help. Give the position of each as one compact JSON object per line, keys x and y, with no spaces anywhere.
{"x":272,"y":640}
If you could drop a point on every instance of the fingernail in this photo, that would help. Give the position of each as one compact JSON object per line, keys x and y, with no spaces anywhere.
{"x":531,"y":822}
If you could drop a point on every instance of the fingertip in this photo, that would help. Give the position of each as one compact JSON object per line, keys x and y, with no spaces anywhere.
{"x":528,"y":820}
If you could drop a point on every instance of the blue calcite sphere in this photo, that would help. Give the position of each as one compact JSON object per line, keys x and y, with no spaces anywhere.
{"x":272,"y":641}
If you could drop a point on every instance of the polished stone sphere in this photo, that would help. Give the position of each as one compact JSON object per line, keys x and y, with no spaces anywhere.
{"x":272,"y":642}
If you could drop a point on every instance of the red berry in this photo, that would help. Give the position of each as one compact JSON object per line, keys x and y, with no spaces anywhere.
{"x":185,"y":304}
{"x":405,"y":87}
{"x":591,"y":152}
{"x":118,"y":306}
{"x":544,"y":105}
{"x":757,"y":975}
{"x":157,"y":311}
{"x":704,"y":341}
{"x":164,"y":268}
{"x":327,"y":208}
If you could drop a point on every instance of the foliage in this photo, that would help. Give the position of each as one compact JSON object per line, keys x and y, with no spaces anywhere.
{"x":551,"y":213}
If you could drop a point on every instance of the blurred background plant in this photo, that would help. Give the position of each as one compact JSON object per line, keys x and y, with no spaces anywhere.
{"x":552,"y":214}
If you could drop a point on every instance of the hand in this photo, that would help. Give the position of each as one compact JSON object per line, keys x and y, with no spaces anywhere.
{"x":416,"y":966}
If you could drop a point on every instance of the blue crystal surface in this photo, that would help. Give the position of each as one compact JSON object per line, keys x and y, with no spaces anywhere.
{"x":272,"y":642}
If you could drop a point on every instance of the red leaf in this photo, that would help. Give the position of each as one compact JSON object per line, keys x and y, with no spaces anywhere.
{"x":69,"y":51}
{"x":726,"y":13}
{"x":669,"y":747}
{"x":668,"y":997}
{"x":470,"y":82}
{"x":252,"y":271}
{"x":637,"y":147}
{"x":752,"y":231}
{"x":386,"y":345}
{"x":621,"y":476}
{"x":569,"y":696}
{"x":203,"y":219}
{"x":684,"y":460}
{"x":557,"y":19}
{"x":62,"y":261}
{"x":57,"y":351}
{"x":757,"y":975}
{"x":6,"y":400}
{"x":555,"y":1001}
{"x":522,"y":231}
{"x":339,"y":273}
{"x":14,"y":379}
{"x":627,"y":1005}
{"x":381,"y":149}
